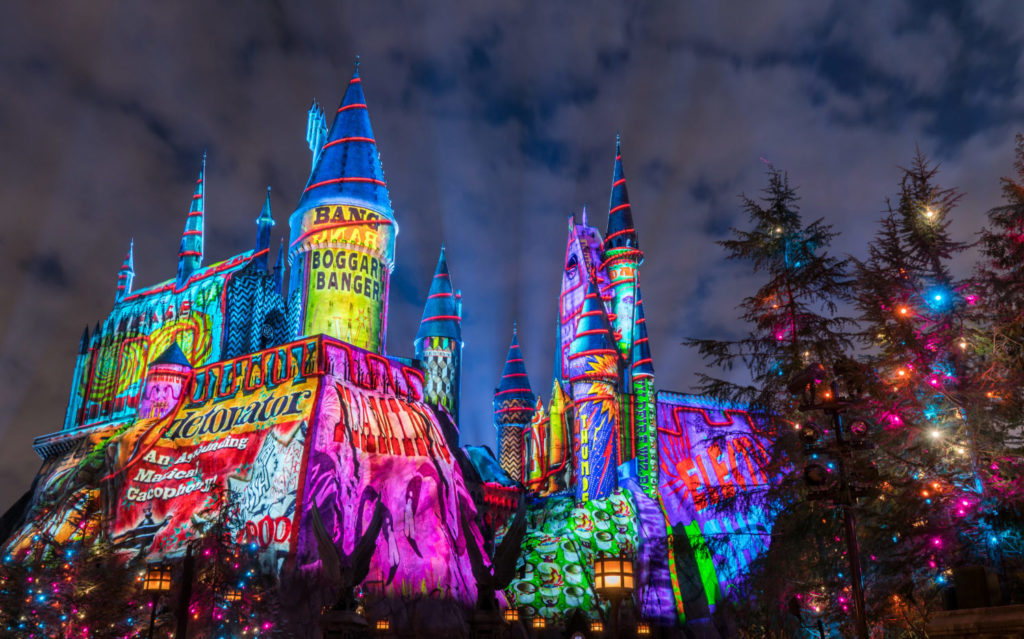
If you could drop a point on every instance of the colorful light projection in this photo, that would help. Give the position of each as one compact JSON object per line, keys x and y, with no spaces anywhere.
{"x":248,"y":438}
{"x":348,"y":253}
{"x":375,"y":441}
{"x":582,"y":255}
{"x":593,"y":374}
{"x":342,"y":246}
{"x":555,"y":569}
{"x":706,"y":450}
{"x":67,"y":504}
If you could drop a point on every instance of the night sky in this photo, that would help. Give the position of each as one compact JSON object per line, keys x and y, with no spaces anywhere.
{"x":495,"y":121}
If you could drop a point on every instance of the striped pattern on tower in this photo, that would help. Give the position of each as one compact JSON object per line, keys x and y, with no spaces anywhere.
{"x":593,"y":377}
{"x":190,"y":254}
{"x":621,"y":257}
{"x":342,"y":247}
{"x":438,"y":342}
{"x":514,"y":403}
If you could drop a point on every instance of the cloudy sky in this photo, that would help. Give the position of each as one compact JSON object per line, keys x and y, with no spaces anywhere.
{"x":495,"y":121}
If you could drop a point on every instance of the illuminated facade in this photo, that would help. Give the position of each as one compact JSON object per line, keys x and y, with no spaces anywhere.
{"x":613,"y":466}
{"x":281,"y":393}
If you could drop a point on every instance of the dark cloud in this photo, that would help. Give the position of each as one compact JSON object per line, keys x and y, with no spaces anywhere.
{"x":495,"y":121}
{"x":47,"y":270}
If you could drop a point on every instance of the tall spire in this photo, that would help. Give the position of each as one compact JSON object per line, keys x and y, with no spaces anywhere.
{"x":621,"y":234}
{"x":348,"y":167}
{"x":126,"y":274}
{"x":441,"y":316}
{"x":593,"y":336}
{"x":190,"y":255}
{"x":264,"y":224}
{"x":640,"y":361}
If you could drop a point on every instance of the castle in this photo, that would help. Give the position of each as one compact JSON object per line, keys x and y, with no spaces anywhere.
{"x":282,"y":391}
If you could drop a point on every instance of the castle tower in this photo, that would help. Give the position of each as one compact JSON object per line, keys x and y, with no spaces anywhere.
{"x":264,"y":224}
{"x":76,"y":398}
{"x":190,"y":254}
{"x":166,"y":378}
{"x":558,"y":441}
{"x":126,"y":275}
{"x":593,"y":376}
{"x":513,"y":409}
{"x":535,"y":445}
{"x":342,"y":246}
{"x":438,"y":342}
{"x":645,"y":421}
{"x":622,"y":257}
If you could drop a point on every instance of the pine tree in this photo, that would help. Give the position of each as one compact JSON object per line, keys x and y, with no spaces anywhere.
{"x":923,"y":398}
{"x":233,"y":595}
{"x":998,"y":303}
{"x":793,"y":320}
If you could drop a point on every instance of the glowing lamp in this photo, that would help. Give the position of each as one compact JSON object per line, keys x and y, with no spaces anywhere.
{"x":539,"y":623}
{"x":613,"y":576}
{"x":382,"y":625}
{"x":929,"y":212}
{"x":158,"y":579}
{"x":643,"y":629}
{"x":511,"y":615}
{"x":596,"y":626}
{"x":233,"y":595}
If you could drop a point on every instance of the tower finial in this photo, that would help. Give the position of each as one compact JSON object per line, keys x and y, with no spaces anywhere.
{"x":515,"y":327}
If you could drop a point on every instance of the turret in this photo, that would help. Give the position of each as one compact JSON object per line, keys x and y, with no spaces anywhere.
{"x":264,"y":224}
{"x":593,"y":376}
{"x":438,"y":343}
{"x":513,"y":409}
{"x":535,"y":444}
{"x":559,"y":442}
{"x":641,"y":372}
{"x":166,"y":378}
{"x":190,"y":255}
{"x":342,"y":246}
{"x":621,"y":256}
{"x":126,"y":275}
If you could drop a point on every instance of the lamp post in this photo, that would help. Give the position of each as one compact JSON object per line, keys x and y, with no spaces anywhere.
{"x":156,"y":583}
{"x":613,"y":580}
{"x":852,"y":482}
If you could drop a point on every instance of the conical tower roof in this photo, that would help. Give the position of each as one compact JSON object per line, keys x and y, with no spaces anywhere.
{"x":441,"y":313}
{"x":172,"y":355}
{"x":190,"y":255}
{"x":266,"y":217}
{"x":640,"y":360}
{"x":515,"y":383}
{"x":593,"y":334}
{"x":621,"y":233}
{"x":348,"y":167}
